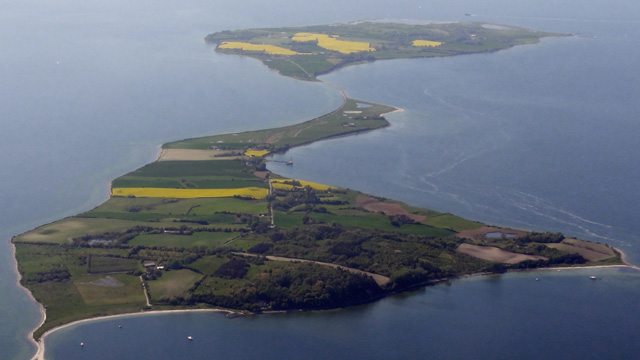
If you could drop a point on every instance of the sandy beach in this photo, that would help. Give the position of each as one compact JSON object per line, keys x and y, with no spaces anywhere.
{"x":397,"y":109}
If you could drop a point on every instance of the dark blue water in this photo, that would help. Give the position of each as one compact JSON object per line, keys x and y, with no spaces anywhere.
{"x":537,"y":137}
{"x":507,"y":316}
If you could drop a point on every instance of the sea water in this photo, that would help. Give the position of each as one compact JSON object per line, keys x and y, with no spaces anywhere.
{"x":537,"y":137}
{"x":495,"y":317}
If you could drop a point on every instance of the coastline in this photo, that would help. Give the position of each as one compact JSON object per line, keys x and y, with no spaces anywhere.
{"x":559,"y":268}
{"x":156,"y":157}
{"x":623,"y":257}
{"x":397,"y":109}
{"x":43,"y":313}
{"x":41,"y":346}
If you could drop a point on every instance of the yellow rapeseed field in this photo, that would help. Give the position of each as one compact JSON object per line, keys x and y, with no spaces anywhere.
{"x":254,"y":192}
{"x":280,"y":184}
{"x":256,"y":152}
{"x":426,"y":43}
{"x":331,"y":42}
{"x":269,"y":49}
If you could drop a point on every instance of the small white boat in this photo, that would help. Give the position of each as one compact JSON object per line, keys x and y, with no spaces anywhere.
{"x":81,"y":344}
{"x":190,"y":338}
{"x":592,"y":277}
{"x":537,"y":279}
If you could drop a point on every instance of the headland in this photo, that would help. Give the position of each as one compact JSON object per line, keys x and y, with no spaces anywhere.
{"x":207,"y":226}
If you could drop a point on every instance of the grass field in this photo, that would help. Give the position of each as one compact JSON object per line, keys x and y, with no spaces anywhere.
{"x":380,"y":222}
{"x":172,"y":283}
{"x":590,"y":251}
{"x":334,"y":124}
{"x":302,"y":67}
{"x":76,"y":294}
{"x":110,"y":264}
{"x":180,"y":207}
{"x":209,"y":239}
{"x":63,"y":231}
{"x":452,"y":222}
{"x":199,"y":182}
{"x":208,"y":264}
{"x":217,"y":286}
{"x":251,"y":192}
{"x":110,"y":290}
{"x":187,"y":169}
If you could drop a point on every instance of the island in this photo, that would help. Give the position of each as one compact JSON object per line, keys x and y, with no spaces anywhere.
{"x":306,"y":52}
{"x":207,"y":226}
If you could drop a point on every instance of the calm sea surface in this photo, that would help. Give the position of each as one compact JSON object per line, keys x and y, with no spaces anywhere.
{"x":536,"y":137}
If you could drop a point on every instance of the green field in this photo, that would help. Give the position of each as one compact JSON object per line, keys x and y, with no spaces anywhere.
{"x":178,"y":207}
{"x":209,"y":239}
{"x":343,"y":121}
{"x":110,"y":264}
{"x":172,"y":283}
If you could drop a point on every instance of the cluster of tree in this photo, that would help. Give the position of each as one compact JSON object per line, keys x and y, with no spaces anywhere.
{"x":152,"y":274}
{"x":106,"y":239}
{"x":200,"y":222}
{"x":298,"y":286}
{"x":562,"y":259}
{"x":408,"y":278}
{"x":233,"y":269}
{"x":305,"y":195}
{"x":262,"y":247}
{"x":544,"y":237}
{"x":384,"y":253}
{"x":398,"y":220}
{"x":59,"y":273}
